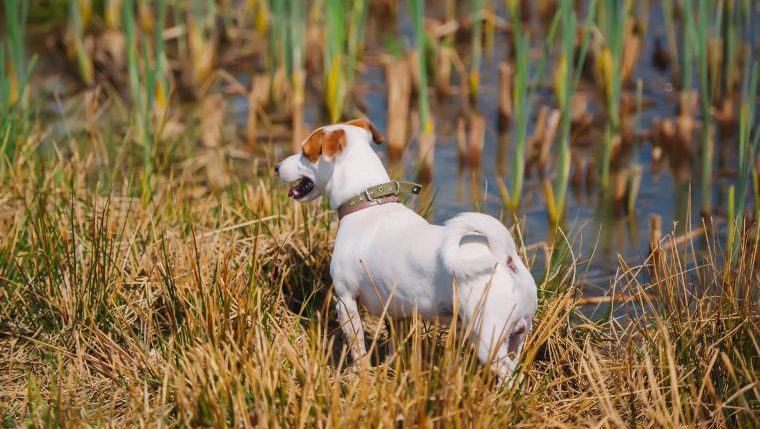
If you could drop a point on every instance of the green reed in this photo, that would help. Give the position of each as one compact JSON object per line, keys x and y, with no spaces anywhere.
{"x":343,"y":38}
{"x":634,"y":179}
{"x":148,"y":84}
{"x":15,"y":72}
{"x":77,"y":32}
{"x":567,"y":77}
{"x":286,"y":43}
{"x":612,"y":19}
{"x":667,"y":13}
{"x":749,"y":137}
{"x":523,"y":91}
{"x":699,"y":28}
{"x":418,"y":14}
{"x":476,"y":47}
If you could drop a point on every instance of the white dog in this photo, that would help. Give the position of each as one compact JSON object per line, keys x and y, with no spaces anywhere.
{"x":391,"y":260}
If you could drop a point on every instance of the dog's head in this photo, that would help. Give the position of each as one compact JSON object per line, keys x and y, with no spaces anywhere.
{"x":310,"y":172}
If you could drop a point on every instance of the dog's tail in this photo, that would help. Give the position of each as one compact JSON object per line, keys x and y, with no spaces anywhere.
{"x":470,"y":263}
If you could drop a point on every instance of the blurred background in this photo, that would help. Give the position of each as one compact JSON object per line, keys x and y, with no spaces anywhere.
{"x":617,"y":120}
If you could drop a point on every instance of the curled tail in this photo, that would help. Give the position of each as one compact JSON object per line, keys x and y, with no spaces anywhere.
{"x":465,"y":263}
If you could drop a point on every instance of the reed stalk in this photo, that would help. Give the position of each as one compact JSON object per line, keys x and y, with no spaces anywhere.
{"x":523,"y":90}
{"x":519,"y":102}
{"x":287,"y":56}
{"x":201,"y":42}
{"x":635,"y":167}
{"x":426,"y":143}
{"x":16,"y":67}
{"x":148,"y":84}
{"x":700,"y":29}
{"x":749,"y":137}
{"x":667,"y":13}
{"x":476,"y":48}
{"x":15,"y":73}
{"x":112,"y":13}
{"x":612,"y":20}
{"x":342,"y":48}
{"x":566,"y":79}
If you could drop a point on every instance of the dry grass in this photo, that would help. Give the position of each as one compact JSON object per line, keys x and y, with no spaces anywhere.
{"x":212,"y":307}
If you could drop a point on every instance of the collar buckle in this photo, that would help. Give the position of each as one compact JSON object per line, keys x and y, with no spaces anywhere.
{"x":398,"y":187}
{"x":368,"y":196}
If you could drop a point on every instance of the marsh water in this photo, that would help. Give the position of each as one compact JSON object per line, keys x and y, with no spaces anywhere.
{"x":599,"y":233}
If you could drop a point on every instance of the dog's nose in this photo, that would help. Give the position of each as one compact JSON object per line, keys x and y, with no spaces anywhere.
{"x":277,"y":168}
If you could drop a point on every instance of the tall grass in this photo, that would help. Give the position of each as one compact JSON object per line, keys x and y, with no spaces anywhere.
{"x":215,"y":310}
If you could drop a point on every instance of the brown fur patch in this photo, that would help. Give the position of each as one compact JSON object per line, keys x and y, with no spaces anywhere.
{"x":367,"y":125}
{"x":312,"y":147}
{"x":334,"y":142}
{"x":329,"y":144}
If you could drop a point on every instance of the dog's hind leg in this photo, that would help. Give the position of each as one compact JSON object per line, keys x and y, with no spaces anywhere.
{"x":351,"y":324}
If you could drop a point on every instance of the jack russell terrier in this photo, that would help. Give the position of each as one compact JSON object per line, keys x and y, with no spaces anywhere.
{"x":394,"y":262}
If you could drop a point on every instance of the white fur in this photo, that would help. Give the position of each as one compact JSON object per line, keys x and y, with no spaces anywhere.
{"x":388,"y":255}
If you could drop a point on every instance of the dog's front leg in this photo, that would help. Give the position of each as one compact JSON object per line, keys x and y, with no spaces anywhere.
{"x":351,"y":324}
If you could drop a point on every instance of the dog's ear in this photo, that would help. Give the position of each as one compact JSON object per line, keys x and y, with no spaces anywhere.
{"x":312,"y":147}
{"x":367,"y":125}
{"x":333,"y":143}
{"x":325,"y":143}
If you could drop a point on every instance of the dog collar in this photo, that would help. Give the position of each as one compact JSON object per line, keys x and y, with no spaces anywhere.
{"x":377,"y":195}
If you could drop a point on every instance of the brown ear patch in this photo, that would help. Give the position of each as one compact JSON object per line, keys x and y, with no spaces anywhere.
{"x":312,"y":147}
{"x":367,"y":125}
{"x":329,"y":144}
{"x":334,"y":142}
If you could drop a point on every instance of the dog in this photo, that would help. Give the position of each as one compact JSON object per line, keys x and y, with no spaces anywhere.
{"x":393,"y":262}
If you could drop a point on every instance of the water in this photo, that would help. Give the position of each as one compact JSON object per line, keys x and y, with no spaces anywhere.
{"x":606,"y":236}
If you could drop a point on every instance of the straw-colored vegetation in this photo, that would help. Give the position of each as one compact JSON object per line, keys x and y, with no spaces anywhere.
{"x":153,"y":271}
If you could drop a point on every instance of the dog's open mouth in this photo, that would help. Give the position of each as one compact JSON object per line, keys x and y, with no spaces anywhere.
{"x":301,"y":188}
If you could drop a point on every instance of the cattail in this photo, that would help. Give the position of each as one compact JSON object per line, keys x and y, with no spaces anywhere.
{"x":443,"y":71}
{"x":257,"y":98}
{"x":461,"y":140}
{"x":399,"y":81}
{"x":505,"y":94}
{"x":579,"y":163}
{"x":425,"y":155}
{"x":655,"y":233}
{"x":551,"y":130}
{"x":620,"y":185}
{"x":477,"y":139}
{"x":502,"y":141}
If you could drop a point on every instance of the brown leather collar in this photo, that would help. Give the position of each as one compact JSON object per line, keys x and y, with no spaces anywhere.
{"x":377,"y":195}
{"x":361,"y":206}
